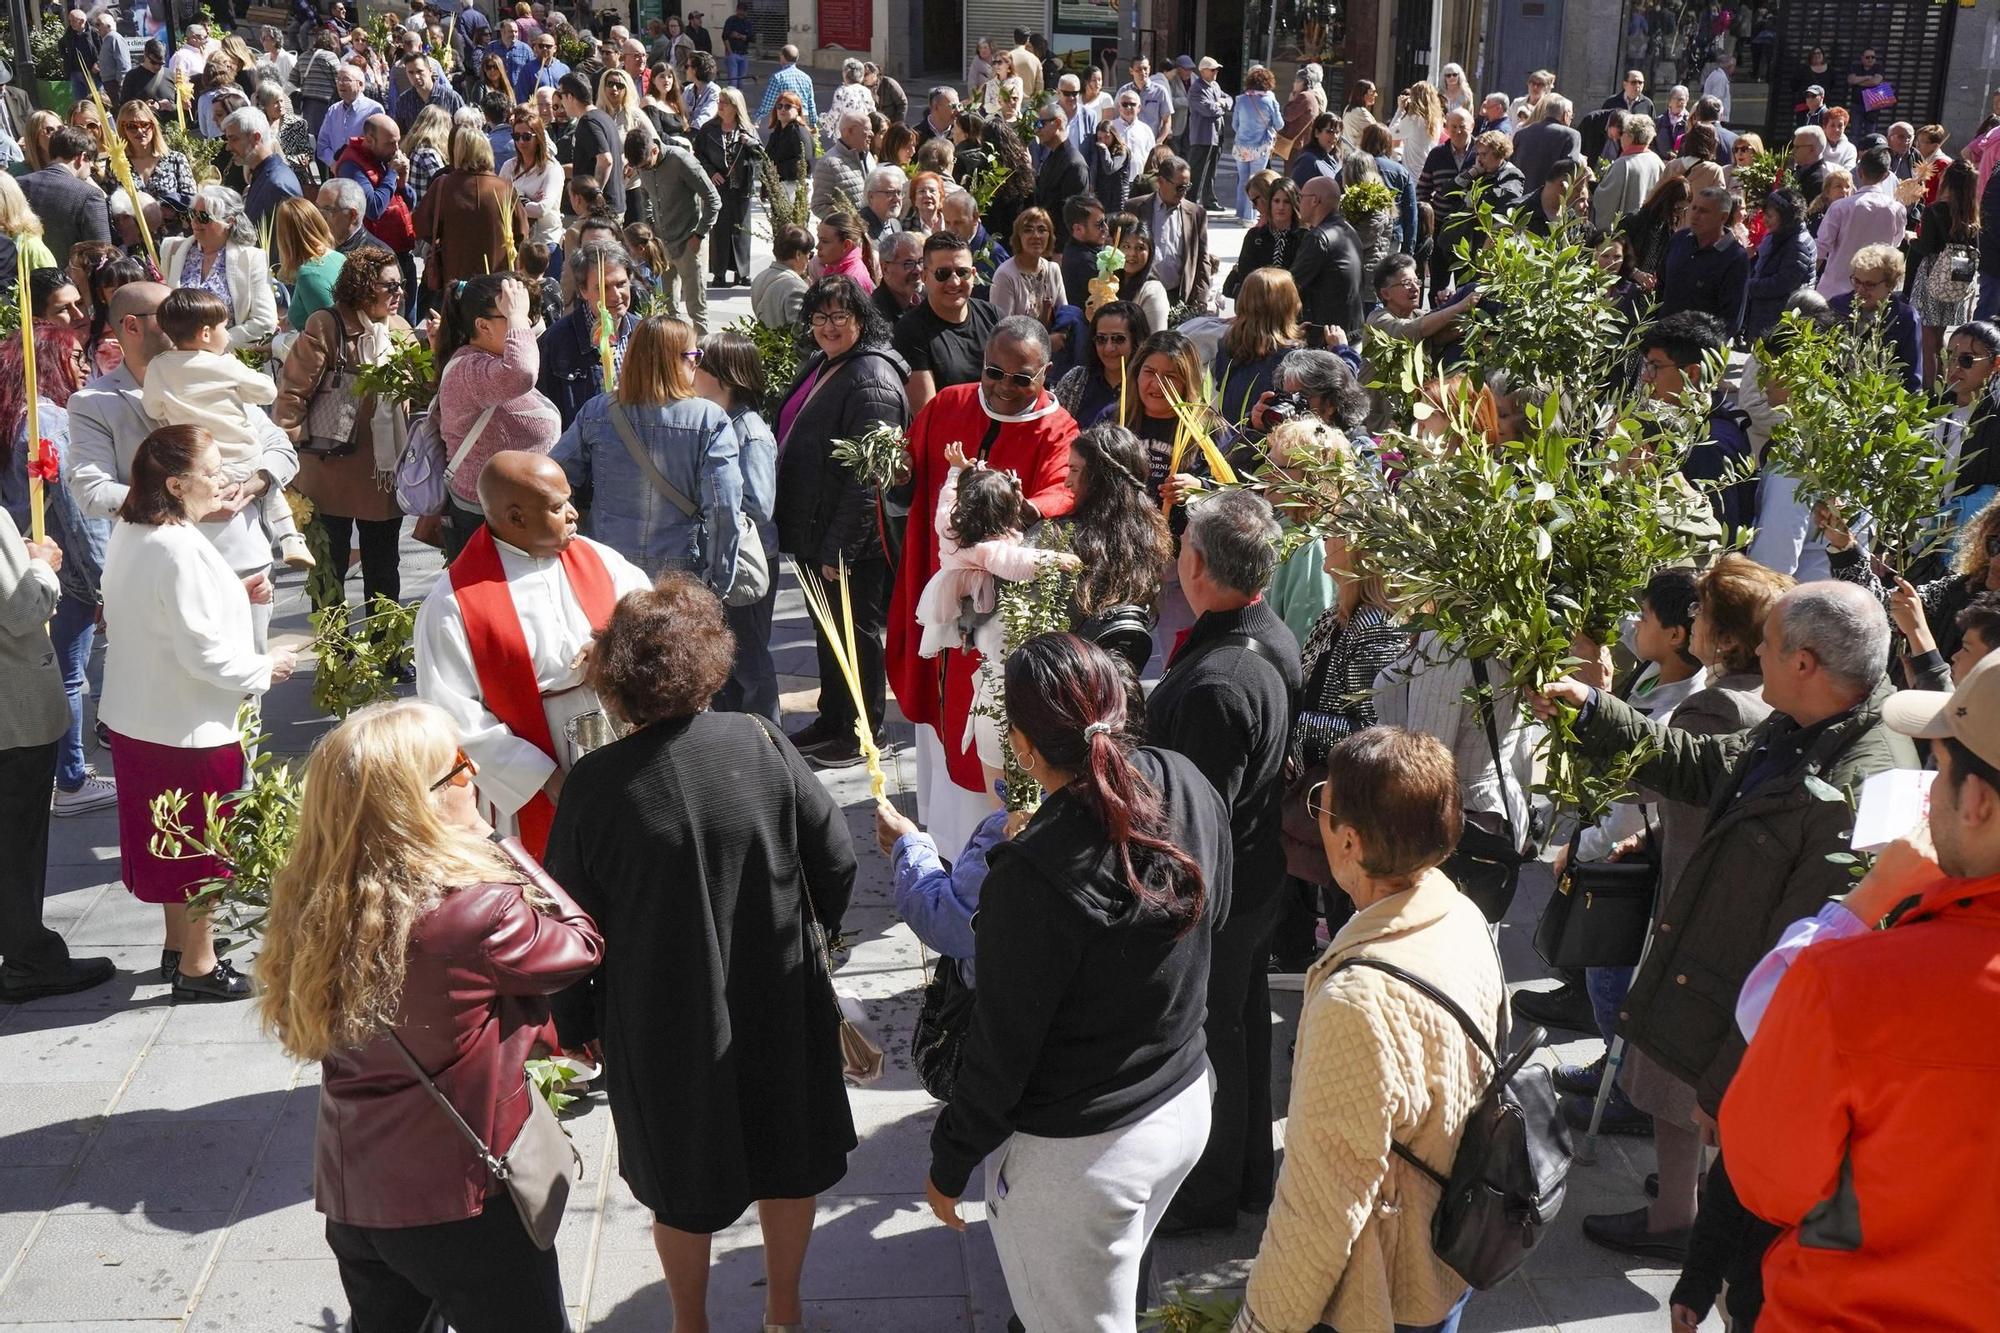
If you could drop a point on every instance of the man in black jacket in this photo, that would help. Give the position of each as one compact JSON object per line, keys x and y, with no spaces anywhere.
{"x":1631,"y":96}
{"x":1064,"y":173}
{"x":1327,"y":268}
{"x":1226,"y":702}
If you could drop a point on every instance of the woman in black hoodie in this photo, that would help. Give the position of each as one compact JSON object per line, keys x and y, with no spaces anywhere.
{"x":1085,"y":1085}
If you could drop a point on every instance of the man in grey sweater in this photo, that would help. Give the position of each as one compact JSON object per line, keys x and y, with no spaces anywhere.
{"x":34,"y":961}
{"x":685,"y":203}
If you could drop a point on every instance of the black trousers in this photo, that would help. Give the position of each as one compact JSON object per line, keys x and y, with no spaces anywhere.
{"x":459,"y":525}
{"x":381,"y":559}
{"x":729,"y":242}
{"x":1727,"y":1245}
{"x":27,"y":780}
{"x":1201,"y":173}
{"x":868,"y":589}
{"x":1238,"y":1168}
{"x":482,"y":1275}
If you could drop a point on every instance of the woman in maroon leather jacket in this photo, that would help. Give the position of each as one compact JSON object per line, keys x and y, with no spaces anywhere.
{"x":396,"y":914}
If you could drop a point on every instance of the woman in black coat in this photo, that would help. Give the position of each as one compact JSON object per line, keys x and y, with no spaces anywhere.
{"x":728,"y":149}
{"x":1784,"y":262}
{"x":825,"y":515}
{"x":706,"y":848}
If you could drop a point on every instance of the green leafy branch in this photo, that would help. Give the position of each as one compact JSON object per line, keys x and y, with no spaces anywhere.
{"x":248,"y":833}
{"x":1364,"y":199}
{"x":1186,"y":1312}
{"x":878,"y":458}
{"x":358,"y":660}
{"x":1040,"y":605}
{"x":782,"y":355}
{"x":551,"y":1082}
{"x":407,"y":375}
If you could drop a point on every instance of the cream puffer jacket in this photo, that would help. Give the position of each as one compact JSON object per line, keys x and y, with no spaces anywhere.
{"x":1348,"y":1242}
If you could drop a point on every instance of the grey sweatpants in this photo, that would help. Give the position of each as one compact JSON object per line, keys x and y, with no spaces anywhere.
{"x":1071,"y":1217}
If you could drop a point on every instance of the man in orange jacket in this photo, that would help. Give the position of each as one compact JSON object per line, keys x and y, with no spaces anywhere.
{"x":1860,"y":1119}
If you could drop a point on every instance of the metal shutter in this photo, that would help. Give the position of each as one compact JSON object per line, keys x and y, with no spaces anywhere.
{"x":996,"y":20}
{"x":1909,"y":37}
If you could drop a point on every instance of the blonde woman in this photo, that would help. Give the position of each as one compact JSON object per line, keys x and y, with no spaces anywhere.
{"x":1004,"y":92}
{"x":35,"y":143}
{"x":306,"y":259}
{"x":1030,"y":282}
{"x":473,"y":219}
{"x":1454,"y":93}
{"x":428,"y":146}
{"x":1419,"y":124}
{"x":536,"y":176}
{"x":399,"y":935}
{"x":20,"y":225}
{"x":620,"y":100}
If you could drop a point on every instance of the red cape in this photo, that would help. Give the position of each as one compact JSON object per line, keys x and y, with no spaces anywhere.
{"x":938,"y":690}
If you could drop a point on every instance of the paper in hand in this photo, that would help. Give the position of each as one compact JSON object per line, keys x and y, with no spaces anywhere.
{"x":1893,"y":802}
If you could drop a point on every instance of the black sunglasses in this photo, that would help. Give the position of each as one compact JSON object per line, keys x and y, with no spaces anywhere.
{"x":1014,"y":377}
{"x":461,"y":766}
{"x":951,"y":275}
{"x":1966,"y":360}
{"x":524,"y":138}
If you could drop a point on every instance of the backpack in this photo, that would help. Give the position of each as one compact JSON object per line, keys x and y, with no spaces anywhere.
{"x":1506,"y":1184}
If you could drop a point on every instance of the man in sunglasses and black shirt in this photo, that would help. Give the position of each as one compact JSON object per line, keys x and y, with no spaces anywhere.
{"x":944,"y":339}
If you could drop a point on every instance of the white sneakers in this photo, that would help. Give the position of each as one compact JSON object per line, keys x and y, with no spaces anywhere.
{"x":95,"y":794}
{"x":292,"y":547}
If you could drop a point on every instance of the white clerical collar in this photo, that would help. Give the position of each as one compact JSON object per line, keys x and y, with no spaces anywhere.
{"x":1035,"y":413}
{"x":508,"y":548}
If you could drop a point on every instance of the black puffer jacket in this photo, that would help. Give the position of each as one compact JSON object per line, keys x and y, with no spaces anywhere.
{"x":823,"y":513}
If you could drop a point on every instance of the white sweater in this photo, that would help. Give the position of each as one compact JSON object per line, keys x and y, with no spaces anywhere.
{"x":181,"y":655}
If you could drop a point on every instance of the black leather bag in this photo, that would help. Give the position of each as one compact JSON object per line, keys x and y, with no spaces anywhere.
{"x":1507,"y":1182}
{"x":1599,"y":914}
{"x":944,"y":1021}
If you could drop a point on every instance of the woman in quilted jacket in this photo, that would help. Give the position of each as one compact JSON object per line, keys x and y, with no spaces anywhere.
{"x":1379,"y":1065}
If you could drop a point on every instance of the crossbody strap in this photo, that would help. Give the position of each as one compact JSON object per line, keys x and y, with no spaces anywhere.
{"x":623,"y":425}
{"x":464,"y":449}
{"x":1493,"y":742}
{"x":499,"y":1168}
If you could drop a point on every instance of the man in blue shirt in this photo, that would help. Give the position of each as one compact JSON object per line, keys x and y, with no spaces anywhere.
{"x":738,"y":32}
{"x":789,"y":79}
{"x":347,"y":116}
{"x":1706,"y":269}
{"x":514,"y":55}
{"x":425,"y":89}
{"x":1156,"y":98}
{"x":254,"y":145}
{"x":499,"y":132}
{"x":546,"y":72}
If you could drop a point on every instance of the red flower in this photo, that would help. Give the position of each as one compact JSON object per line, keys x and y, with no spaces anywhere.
{"x":46,"y":465}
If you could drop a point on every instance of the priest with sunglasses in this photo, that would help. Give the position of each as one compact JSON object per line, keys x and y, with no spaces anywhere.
{"x":1009,"y":419}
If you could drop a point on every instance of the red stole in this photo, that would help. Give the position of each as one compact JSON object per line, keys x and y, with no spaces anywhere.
{"x":500,"y":650}
{"x":938,"y":690}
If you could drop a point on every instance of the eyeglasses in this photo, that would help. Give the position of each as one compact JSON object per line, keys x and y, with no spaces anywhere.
{"x":911,"y":264}
{"x":1045,"y":120}
{"x":1018,"y":379}
{"x":951,"y":275}
{"x":390,"y":286}
{"x":1111,"y":339}
{"x":524,"y":138}
{"x":463,"y":765}
{"x":1067,"y":92}
{"x":692,"y":356}
{"x":838,"y":319}
{"x":204,"y":217}
{"x":1966,"y":360}
{"x":1316,"y":805}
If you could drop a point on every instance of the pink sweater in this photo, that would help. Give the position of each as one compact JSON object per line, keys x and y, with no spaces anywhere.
{"x":523,"y":419}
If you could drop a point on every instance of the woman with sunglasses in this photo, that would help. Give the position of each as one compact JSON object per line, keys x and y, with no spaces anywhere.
{"x":493,"y":79}
{"x":729,"y":151}
{"x":1944,"y":282}
{"x":690,"y":443}
{"x":398,"y":932}
{"x":535,"y":176}
{"x":1136,"y":282}
{"x":85,"y":116}
{"x":223,"y":257}
{"x":851,"y":384}
{"x":473,"y":219}
{"x":1092,"y":390}
{"x":350,"y":490}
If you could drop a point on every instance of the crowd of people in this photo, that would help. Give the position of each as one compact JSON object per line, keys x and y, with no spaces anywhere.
{"x":1250,"y":759}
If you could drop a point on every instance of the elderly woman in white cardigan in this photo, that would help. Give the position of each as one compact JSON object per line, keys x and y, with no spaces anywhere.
{"x":223,"y":257}
{"x":182,"y":659}
{"x":1379,"y":1064}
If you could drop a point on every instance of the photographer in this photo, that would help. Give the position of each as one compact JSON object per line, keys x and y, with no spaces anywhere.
{"x":1317,"y":383}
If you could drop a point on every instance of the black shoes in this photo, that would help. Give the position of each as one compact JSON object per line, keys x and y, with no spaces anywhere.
{"x":1566,"y":1007}
{"x":812,"y":735}
{"x":1626,"y":1233}
{"x":1581,"y":1080}
{"x":170,"y":963}
{"x":223,"y":984}
{"x":73,"y":975}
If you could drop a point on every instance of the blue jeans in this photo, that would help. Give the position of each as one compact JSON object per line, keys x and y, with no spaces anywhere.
{"x":735,"y":68}
{"x":752,"y":686}
{"x":1244,"y":171}
{"x":73,"y":631}
{"x":1449,"y":1324}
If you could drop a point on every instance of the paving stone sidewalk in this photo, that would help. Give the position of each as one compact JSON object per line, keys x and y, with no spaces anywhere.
{"x":155,"y":1161}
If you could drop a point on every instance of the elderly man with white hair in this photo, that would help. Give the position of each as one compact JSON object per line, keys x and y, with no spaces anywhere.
{"x":882,"y":204}
{"x":1551,"y":139}
{"x":839,"y":178}
{"x":114,"y":62}
{"x":254,"y":145}
{"x":344,"y":204}
{"x":1809,"y":161}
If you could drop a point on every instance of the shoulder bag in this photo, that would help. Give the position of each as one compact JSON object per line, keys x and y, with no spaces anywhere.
{"x":333,"y":413}
{"x":1600,"y":912}
{"x":1486,"y":865}
{"x":943,"y":1023}
{"x":1507,"y":1180}
{"x":753,"y":573}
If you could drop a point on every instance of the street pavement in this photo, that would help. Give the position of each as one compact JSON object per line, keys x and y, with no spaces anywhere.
{"x":156,"y":1161}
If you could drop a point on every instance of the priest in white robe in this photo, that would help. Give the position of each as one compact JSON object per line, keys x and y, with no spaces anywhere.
{"x":503,"y":639}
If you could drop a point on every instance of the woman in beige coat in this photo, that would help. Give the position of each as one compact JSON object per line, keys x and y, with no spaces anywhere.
{"x":1378,"y":1063}
{"x":351,"y":489}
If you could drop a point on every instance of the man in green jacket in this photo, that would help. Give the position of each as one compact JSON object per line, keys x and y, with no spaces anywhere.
{"x":1780,"y":809}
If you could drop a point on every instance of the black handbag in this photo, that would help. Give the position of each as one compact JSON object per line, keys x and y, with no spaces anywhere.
{"x":943,"y":1023}
{"x":1508,"y":1178}
{"x":1599,"y":914}
{"x":1486,"y":865}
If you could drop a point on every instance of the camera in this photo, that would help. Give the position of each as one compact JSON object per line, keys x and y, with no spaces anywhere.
{"x":1286,"y":406}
